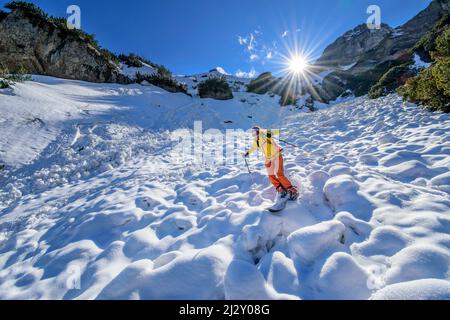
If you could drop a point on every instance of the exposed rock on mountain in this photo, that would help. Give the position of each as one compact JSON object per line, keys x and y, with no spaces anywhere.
{"x":349,"y":48}
{"x":406,"y":36}
{"x":361,"y":57}
{"x":43,"y":45}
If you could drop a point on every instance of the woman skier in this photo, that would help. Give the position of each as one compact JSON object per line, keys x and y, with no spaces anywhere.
{"x":263,"y":140}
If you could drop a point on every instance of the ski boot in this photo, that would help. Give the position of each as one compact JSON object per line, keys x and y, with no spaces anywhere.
{"x":280,"y":201}
{"x":293,"y":194}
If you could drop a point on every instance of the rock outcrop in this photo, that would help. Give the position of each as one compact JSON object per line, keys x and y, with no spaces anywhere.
{"x":31,"y":40}
{"x":350,"y":48}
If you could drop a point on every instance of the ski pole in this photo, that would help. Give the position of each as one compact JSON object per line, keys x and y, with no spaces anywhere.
{"x":250,"y":172}
{"x":290,"y":144}
{"x":295,"y":146}
{"x":248,"y":167}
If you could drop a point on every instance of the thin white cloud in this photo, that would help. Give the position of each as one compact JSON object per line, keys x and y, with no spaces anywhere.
{"x":243,"y":74}
{"x":254,"y":57}
{"x":298,"y":30}
{"x":285,"y":34}
{"x":251,"y":43}
{"x":242,"y":40}
{"x":258,"y":31}
{"x":255,"y":48}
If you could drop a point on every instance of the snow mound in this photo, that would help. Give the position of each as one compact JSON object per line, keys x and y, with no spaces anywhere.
{"x":369,"y":160}
{"x":356,"y":230}
{"x":411,"y":170}
{"x":309,"y":243}
{"x":342,"y":278}
{"x":318,"y":179}
{"x":280,"y":273}
{"x":343,"y":193}
{"x":399,"y":157}
{"x":258,"y":236}
{"x":339,"y":170}
{"x":442,"y":181}
{"x":419,"y":262}
{"x":243,"y":281}
{"x":426,"y":289}
{"x":174,"y":280}
{"x":384,"y":241}
{"x":125,"y":285}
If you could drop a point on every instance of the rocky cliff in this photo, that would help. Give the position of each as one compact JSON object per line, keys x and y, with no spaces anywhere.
{"x":349,"y":48}
{"x":29,"y":39}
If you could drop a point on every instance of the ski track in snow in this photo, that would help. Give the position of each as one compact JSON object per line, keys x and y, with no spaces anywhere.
{"x":93,"y":188}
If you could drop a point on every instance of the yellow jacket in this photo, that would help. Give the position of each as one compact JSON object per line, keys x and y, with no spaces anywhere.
{"x":268,"y":146}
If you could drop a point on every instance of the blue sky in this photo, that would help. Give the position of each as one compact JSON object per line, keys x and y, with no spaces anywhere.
{"x":191,"y":36}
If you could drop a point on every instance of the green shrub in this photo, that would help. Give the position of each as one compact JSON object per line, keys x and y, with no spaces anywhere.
{"x":4,"y":84}
{"x":30,"y":9}
{"x":391,"y":80}
{"x":441,"y":74}
{"x":362,"y":83}
{"x":425,"y":89}
{"x":163,"y":71}
{"x":431,"y":87}
{"x":163,"y":81}
{"x":443,"y":43}
{"x":20,"y":75}
{"x":264,"y":83}
{"x":109,"y":55}
{"x":131,"y":60}
{"x":8,"y":78}
{"x":136,"y":61}
{"x":4,"y":76}
{"x":215,"y":88}
{"x":338,"y":82}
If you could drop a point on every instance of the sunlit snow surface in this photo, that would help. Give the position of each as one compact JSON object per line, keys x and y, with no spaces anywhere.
{"x":90,"y":188}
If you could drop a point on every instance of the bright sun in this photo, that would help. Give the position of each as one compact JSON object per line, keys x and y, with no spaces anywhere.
{"x":297,"y":64}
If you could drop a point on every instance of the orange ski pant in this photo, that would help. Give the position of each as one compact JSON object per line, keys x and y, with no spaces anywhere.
{"x":275,"y":171}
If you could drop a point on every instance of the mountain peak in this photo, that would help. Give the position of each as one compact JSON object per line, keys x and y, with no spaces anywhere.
{"x":352,"y":45}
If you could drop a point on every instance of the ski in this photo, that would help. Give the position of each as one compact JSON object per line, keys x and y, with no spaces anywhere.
{"x":278,"y":207}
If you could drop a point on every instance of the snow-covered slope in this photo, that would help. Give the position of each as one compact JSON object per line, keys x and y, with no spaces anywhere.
{"x":96,"y":204}
{"x":131,"y":72}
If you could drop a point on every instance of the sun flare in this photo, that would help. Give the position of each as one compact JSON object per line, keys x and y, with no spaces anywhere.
{"x":297,"y":64}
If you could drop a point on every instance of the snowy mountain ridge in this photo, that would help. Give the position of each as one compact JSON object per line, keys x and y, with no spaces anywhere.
{"x":96,"y":204}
